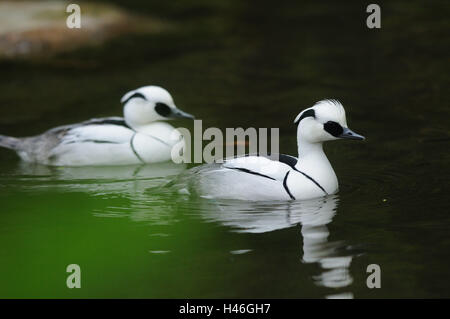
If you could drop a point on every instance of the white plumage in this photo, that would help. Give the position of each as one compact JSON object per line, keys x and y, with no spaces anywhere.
{"x":141,"y":136}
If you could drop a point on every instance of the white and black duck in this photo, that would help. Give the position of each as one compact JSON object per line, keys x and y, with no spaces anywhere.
{"x":141,"y":136}
{"x":282,"y":177}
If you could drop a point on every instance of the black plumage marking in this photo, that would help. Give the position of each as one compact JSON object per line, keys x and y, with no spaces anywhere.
{"x":288,"y":160}
{"x":250,"y":172}
{"x":134,"y":150}
{"x":137,"y":94}
{"x":112,"y":121}
{"x":118,"y":122}
{"x":333,"y":128}
{"x":283,"y":158}
{"x":163,"y":109}
{"x":93,"y":141}
{"x":292,"y":161}
{"x":313,"y":180}
{"x":286,"y":187}
{"x":307,"y":113}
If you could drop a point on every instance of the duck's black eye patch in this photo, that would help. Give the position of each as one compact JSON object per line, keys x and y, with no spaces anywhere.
{"x":307,"y":113}
{"x":137,"y":94}
{"x":162,"y":109}
{"x":333,"y":128}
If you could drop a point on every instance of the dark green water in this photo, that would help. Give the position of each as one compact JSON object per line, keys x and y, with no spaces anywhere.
{"x":240,"y":65}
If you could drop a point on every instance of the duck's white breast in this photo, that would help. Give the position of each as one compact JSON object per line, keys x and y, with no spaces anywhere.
{"x":303,"y":186}
{"x":155,"y":142}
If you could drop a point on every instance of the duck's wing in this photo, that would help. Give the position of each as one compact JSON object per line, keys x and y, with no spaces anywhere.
{"x":113,"y":120}
{"x":63,"y":129}
{"x":274,"y":167}
{"x":98,"y":130}
{"x":41,"y":147}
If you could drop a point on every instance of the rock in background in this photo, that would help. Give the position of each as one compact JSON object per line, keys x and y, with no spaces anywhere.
{"x":36,"y":28}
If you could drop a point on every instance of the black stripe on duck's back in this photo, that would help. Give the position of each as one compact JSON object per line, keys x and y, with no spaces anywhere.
{"x":283,"y":158}
{"x":245,"y":170}
{"x":288,"y":160}
{"x":107,"y":121}
{"x":61,"y":131}
{"x":93,"y":141}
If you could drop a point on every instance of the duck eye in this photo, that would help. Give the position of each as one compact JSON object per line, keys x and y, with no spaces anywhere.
{"x":333,"y":128}
{"x":162,"y":109}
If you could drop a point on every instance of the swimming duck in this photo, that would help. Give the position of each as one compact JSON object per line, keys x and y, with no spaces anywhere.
{"x":141,"y":136}
{"x":281,"y":177}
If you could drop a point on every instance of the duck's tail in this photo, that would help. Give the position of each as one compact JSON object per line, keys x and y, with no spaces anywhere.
{"x":9,"y":142}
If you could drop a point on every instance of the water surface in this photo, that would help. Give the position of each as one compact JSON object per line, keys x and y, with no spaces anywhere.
{"x":240,"y":65}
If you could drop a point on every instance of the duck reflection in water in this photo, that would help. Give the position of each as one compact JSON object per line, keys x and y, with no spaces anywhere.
{"x":130,"y":181}
{"x":312,"y":215}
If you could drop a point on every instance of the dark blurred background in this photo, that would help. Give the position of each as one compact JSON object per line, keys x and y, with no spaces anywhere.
{"x":258,"y":64}
{"x":251,"y":64}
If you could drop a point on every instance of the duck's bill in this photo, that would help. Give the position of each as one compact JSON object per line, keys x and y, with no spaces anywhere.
{"x":350,"y":135}
{"x":179,"y":114}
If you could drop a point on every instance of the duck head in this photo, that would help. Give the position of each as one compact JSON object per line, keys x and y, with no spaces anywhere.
{"x":325,"y":121}
{"x":150,"y":104}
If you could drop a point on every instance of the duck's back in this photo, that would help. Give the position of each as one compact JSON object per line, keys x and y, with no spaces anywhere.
{"x":94,"y":142}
